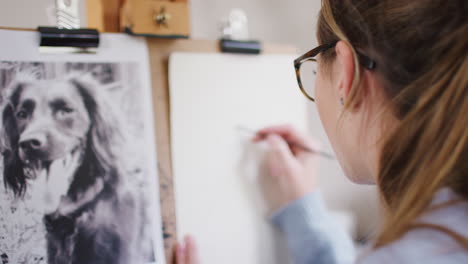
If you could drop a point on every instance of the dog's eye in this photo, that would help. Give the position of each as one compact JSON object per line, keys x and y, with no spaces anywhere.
{"x":21,"y":114}
{"x":65,"y":111}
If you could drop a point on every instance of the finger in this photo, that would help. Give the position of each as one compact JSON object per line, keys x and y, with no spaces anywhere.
{"x":299,"y":143}
{"x":259,"y":137}
{"x":191,"y":251}
{"x":288,"y":132}
{"x":277,"y":129}
{"x":180,"y":254}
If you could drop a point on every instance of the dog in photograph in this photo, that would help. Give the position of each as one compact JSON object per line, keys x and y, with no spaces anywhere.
{"x":61,"y":146}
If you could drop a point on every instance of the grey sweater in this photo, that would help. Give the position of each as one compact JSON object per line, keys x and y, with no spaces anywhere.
{"x":315,"y":238}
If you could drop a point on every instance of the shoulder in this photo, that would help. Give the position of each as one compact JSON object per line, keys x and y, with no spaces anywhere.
{"x":427,"y":245}
{"x":418,"y":246}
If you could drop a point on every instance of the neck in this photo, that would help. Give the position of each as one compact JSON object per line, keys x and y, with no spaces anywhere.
{"x":382,"y":126}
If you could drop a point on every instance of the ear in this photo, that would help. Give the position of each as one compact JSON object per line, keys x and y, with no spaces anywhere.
{"x":346,"y":69}
{"x":104,"y":137}
{"x":13,"y":173}
{"x":9,"y":134}
{"x":9,"y":131}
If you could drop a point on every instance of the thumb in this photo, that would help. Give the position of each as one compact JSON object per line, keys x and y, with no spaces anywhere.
{"x":180,"y":254}
{"x":192,"y":250}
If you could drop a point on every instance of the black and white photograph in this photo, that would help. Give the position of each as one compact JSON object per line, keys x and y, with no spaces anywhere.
{"x":76,"y":184}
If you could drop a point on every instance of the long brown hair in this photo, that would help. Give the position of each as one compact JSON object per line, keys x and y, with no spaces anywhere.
{"x":421,"y":51}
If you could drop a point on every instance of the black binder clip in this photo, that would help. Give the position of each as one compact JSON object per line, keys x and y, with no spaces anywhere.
{"x":68,"y":40}
{"x":238,"y":46}
{"x":235,"y":32}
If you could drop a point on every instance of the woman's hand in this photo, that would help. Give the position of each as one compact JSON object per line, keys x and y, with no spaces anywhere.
{"x":187,"y":252}
{"x":292,"y":172}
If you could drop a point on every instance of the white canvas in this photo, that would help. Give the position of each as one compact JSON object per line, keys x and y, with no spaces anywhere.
{"x":216,"y":167}
{"x":78,"y":128}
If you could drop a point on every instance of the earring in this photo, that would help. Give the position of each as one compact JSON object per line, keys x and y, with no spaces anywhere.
{"x":342,"y":101}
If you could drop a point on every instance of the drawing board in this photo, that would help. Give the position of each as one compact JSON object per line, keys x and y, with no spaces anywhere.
{"x":216,"y":167}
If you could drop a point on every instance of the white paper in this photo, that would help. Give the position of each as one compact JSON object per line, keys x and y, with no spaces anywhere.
{"x":216,"y":167}
{"x":120,"y":73}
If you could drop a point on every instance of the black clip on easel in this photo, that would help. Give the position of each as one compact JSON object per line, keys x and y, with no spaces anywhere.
{"x":67,"y":36}
{"x":242,"y":47}
{"x":82,"y":39}
{"x":235,"y":31}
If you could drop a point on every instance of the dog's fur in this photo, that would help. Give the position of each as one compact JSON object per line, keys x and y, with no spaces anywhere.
{"x":97,"y":220}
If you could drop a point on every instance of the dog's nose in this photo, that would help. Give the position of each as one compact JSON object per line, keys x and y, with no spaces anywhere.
{"x":35,"y":143}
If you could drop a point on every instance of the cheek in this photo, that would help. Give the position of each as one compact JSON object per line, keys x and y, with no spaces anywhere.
{"x":76,"y":124}
{"x":21,"y":125}
{"x":68,"y":123}
{"x":325,"y":103}
{"x":329,"y":111}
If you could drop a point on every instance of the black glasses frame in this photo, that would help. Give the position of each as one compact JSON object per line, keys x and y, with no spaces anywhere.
{"x":365,"y":61}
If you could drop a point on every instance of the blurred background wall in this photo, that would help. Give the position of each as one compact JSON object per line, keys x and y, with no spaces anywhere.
{"x":290,"y":22}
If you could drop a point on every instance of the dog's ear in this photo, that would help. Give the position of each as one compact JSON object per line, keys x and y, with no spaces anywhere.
{"x":13,"y":173}
{"x":104,"y":138}
{"x":9,"y":132}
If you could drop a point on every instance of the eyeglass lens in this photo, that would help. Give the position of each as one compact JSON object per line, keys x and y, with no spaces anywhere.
{"x":308,"y":73}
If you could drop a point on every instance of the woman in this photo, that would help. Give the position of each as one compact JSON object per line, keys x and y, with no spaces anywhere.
{"x":392,"y":94}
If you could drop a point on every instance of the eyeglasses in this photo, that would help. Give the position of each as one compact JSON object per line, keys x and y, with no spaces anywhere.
{"x":306,"y":68}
